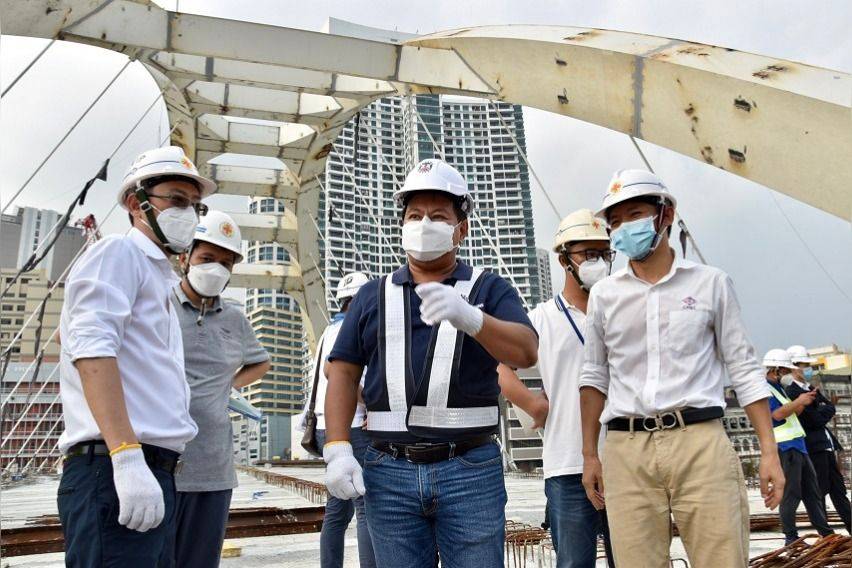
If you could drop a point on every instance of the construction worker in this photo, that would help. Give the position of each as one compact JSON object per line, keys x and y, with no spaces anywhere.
{"x":221,"y":352}
{"x":820,"y":441}
{"x":339,"y":512}
{"x":125,"y":398}
{"x":799,"y":472}
{"x":582,"y":244}
{"x":660,"y":335}
{"x":431,"y":335}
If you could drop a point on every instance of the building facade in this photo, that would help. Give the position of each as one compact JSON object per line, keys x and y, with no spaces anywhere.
{"x":27,"y":229}
{"x":543,"y":259}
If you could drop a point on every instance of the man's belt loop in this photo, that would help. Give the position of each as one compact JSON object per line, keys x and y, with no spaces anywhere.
{"x":632,"y":432}
{"x":680,"y":421}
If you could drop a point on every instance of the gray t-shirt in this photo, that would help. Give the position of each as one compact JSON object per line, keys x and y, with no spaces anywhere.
{"x":213,"y":352}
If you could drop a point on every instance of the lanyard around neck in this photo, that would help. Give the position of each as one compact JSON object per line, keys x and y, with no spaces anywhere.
{"x":564,"y":309}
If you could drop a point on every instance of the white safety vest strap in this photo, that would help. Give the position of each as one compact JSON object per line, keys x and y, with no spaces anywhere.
{"x":445,"y":352}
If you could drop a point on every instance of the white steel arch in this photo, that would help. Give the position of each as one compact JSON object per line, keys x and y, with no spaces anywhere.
{"x":250,"y":89}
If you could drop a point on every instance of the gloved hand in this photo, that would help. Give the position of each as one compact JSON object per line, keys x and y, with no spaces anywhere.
{"x":140,"y":496}
{"x":343,"y":476}
{"x":443,"y":303}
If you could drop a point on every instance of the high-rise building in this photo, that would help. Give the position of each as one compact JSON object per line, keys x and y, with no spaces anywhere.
{"x":543,"y":258}
{"x":376,"y":150}
{"x":29,"y":228}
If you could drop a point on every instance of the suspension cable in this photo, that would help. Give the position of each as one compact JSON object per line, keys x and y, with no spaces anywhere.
{"x":33,"y":431}
{"x":482,"y":229}
{"x":524,"y":157}
{"x":67,"y":134}
{"x":681,"y":223}
{"x":28,"y":67}
{"x":333,"y":211}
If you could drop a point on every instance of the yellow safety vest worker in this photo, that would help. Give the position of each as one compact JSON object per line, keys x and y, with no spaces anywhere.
{"x":790,"y":429}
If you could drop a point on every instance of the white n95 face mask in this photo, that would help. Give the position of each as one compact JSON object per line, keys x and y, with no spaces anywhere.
{"x":786,"y":380}
{"x":592,"y":272}
{"x":178,"y":226}
{"x":427,"y":240}
{"x":208,"y":279}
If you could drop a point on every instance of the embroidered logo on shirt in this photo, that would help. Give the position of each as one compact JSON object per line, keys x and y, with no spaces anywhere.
{"x":689,"y":303}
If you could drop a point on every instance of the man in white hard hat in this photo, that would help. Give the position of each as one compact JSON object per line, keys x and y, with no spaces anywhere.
{"x":339,"y":512}
{"x":431,"y":335}
{"x":582,"y":244}
{"x":801,"y":482}
{"x":660,"y":336}
{"x":820,"y":441}
{"x":221,"y":352}
{"x":125,"y":399}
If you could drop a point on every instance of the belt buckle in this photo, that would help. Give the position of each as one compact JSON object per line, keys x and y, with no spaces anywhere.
{"x":662,"y":422}
{"x":657,"y":423}
{"x":415,"y":448}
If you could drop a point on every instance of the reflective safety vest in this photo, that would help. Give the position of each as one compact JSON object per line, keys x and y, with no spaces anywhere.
{"x":790,"y":429}
{"x":440,"y":370}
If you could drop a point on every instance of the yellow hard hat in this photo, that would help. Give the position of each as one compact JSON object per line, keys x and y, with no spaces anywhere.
{"x":581,"y":225}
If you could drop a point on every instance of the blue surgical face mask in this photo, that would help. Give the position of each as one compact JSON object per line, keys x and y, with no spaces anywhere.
{"x":636,"y":239}
{"x":808,"y":373}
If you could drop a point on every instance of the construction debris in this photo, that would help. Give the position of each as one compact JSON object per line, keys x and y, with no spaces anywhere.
{"x":832,"y":551}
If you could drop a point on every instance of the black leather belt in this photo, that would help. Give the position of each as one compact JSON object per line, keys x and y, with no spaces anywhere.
{"x":155,"y":457}
{"x":431,"y":453}
{"x":666,"y":420}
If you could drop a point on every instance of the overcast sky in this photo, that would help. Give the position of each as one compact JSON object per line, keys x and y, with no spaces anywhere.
{"x":740,"y":226}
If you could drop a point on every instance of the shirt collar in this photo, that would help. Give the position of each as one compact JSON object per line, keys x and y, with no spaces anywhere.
{"x":403,"y":275}
{"x":679,"y":263}
{"x":338,"y":317}
{"x":184,"y":299}
{"x":146,"y":245}
{"x":802,"y":385}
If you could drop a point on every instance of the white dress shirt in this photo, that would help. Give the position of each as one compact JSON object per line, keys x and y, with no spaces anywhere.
{"x":655,"y":347}
{"x":328,"y":338}
{"x":560,"y":361}
{"x":117,"y":305}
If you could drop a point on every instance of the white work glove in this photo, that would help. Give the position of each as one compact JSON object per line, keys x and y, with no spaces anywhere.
{"x":343,"y":476}
{"x":443,"y":303}
{"x":140,"y":496}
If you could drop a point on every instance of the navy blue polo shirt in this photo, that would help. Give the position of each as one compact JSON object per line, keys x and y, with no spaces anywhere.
{"x":794,"y":444}
{"x":358,"y":343}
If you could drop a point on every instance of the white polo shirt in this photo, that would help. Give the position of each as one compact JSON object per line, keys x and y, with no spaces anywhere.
{"x":117,"y":305}
{"x":652,"y":348}
{"x":560,"y":361}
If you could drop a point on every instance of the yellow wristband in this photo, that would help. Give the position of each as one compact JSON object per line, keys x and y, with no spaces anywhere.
{"x":336,"y":442}
{"x":124,"y":446}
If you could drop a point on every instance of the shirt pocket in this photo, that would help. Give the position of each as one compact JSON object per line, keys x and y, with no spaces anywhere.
{"x":687,"y":329}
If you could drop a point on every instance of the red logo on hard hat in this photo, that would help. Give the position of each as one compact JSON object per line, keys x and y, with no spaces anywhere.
{"x":425,"y":167}
{"x":615,"y":187}
{"x":226,"y":229}
{"x":186,"y":163}
{"x":596,"y":224}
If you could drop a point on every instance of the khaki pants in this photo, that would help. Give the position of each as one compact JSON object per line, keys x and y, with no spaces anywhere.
{"x":691,"y":473}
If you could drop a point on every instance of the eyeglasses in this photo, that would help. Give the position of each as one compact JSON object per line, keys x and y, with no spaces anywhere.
{"x":593,"y":254}
{"x":183,"y":202}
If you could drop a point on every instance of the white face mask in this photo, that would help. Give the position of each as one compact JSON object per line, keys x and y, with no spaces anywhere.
{"x":427,"y":240}
{"x":178,"y":226}
{"x":787,"y":379}
{"x":208,"y":279}
{"x":592,"y":272}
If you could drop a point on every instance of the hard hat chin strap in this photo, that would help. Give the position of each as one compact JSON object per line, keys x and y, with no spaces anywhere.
{"x":146,"y":206}
{"x":575,"y":273}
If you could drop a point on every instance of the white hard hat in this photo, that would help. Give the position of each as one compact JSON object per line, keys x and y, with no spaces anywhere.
{"x":581,"y":225}
{"x":629,"y":184}
{"x":167,"y":161}
{"x":799,"y":354}
{"x":777,"y":358}
{"x":219,"y":229}
{"x":435,"y":175}
{"x":350,"y":284}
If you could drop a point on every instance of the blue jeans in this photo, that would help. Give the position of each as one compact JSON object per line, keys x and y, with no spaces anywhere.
{"x":338,"y":515}
{"x":88,"y":510}
{"x":456,"y":506}
{"x":574,"y":522}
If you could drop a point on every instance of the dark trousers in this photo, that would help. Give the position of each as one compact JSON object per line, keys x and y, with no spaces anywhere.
{"x":801,"y":487}
{"x":88,"y":511}
{"x":199,"y":530}
{"x":831,"y":483}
